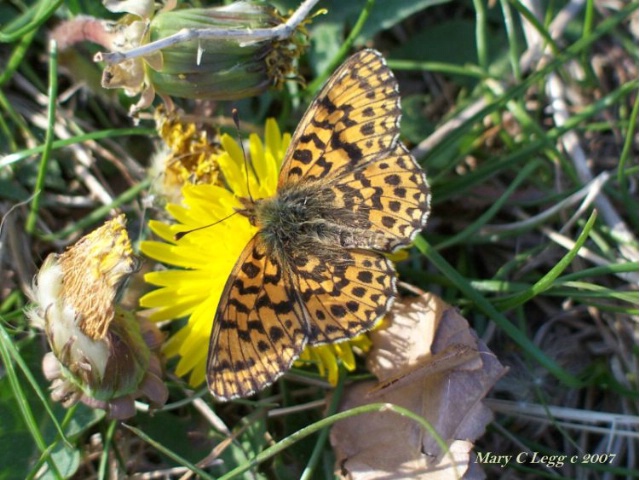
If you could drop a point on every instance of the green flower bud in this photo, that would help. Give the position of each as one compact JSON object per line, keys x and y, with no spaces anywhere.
{"x":199,"y":67}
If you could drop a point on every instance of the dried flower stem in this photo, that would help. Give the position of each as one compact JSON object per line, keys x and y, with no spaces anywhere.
{"x":572,"y":145}
{"x":81,"y":29}
{"x":246,"y":36}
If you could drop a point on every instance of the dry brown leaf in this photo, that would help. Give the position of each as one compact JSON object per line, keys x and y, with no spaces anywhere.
{"x":429,"y":361}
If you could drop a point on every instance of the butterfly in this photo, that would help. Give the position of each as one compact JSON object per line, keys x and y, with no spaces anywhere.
{"x":316,"y":272}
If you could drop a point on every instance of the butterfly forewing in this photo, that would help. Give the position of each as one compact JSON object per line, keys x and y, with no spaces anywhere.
{"x":391,"y":196}
{"x":353,"y":120}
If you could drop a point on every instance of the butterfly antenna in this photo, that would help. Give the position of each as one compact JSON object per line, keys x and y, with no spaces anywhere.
{"x":236,"y":119}
{"x":181,"y":235}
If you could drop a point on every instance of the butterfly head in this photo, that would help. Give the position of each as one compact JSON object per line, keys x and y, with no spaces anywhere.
{"x":248,"y":209}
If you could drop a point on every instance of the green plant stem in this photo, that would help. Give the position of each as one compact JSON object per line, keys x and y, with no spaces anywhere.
{"x":328,"y":421}
{"x":168,"y":452}
{"x":6,"y":343}
{"x":31,"y":21}
{"x":115,"y":132}
{"x":18,"y":120}
{"x":536,"y":76}
{"x":104,"y":458}
{"x":481,"y":36}
{"x":595,"y":271}
{"x":48,"y":140}
{"x":513,"y":42}
{"x":16,"y":57}
{"x":622,"y":174}
{"x":532,"y":19}
{"x":492,"y":211}
{"x":323,"y":435}
{"x":586,"y":56}
{"x":25,"y":35}
{"x":548,"y":280}
{"x":526,"y":151}
{"x":437,"y":67}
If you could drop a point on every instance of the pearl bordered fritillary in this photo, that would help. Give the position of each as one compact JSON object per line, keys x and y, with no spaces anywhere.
{"x":315,"y":272}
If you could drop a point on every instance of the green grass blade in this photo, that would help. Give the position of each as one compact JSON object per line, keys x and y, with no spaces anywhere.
{"x":6,"y":346}
{"x":169,"y":453}
{"x":48,"y":140}
{"x":318,"y":449}
{"x":495,"y":315}
{"x":547,"y":280}
{"x":491,"y":212}
{"x":101,"y":212}
{"x":99,"y":135}
{"x":29,"y":22}
{"x":343,"y":51}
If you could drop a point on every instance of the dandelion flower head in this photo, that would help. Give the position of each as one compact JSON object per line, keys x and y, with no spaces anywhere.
{"x":205,"y":257}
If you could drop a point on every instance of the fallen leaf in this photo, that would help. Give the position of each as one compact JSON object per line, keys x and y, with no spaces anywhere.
{"x":429,"y":361}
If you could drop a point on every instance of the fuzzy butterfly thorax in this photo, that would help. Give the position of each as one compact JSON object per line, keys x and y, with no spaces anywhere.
{"x":304,"y":218}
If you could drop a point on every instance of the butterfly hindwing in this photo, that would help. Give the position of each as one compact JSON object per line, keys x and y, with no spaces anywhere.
{"x":259,"y":328}
{"x":345,"y":292}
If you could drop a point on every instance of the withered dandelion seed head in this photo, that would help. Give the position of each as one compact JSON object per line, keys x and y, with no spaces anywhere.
{"x":100,"y":353}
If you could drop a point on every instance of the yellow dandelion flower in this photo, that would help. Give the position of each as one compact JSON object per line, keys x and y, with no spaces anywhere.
{"x":325,"y":356}
{"x":205,"y":257}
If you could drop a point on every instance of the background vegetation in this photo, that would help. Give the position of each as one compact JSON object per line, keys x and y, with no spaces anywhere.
{"x":524,"y":115}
